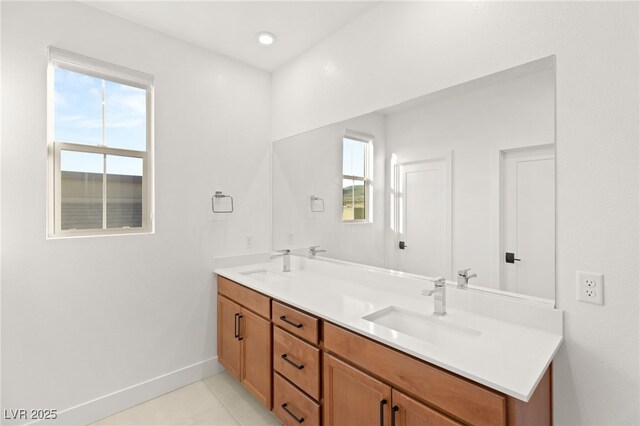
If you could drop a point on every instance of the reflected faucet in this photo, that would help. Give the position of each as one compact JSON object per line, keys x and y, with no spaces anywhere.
{"x":464,"y":277}
{"x":286,"y":259}
{"x":313,"y":250}
{"x":440,"y":292}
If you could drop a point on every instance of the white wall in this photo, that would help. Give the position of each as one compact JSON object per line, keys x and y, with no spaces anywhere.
{"x":85,"y":317}
{"x":399,"y":50}
{"x":311,"y":163}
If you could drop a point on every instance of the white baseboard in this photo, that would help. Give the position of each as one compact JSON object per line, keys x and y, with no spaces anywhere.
{"x":104,"y":406}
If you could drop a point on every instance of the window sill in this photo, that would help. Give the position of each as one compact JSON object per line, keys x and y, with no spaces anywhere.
{"x":99,"y":233}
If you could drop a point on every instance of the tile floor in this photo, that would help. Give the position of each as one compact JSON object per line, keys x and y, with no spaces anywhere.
{"x":216,"y":401}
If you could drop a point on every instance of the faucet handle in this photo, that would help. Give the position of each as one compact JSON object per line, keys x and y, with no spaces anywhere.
{"x":439,"y":282}
{"x":463,"y":272}
{"x":283,"y":252}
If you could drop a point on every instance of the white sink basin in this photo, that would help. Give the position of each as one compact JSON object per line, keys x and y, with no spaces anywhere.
{"x":264,"y":276}
{"x":423,"y":327}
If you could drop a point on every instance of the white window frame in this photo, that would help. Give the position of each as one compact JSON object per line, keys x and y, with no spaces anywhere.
{"x":59,"y":58}
{"x":368,"y":140}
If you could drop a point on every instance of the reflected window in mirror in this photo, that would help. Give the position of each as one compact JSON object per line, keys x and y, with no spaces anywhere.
{"x":356,"y":182}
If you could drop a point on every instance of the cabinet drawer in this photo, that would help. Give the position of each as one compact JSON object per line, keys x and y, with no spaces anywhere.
{"x":295,"y":322}
{"x":258,"y":303}
{"x":297,"y":361}
{"x":291,"y":406}
{"x":472,"y":403}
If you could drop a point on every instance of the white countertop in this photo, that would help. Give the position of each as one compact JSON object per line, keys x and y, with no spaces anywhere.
{"x":516,"y":343}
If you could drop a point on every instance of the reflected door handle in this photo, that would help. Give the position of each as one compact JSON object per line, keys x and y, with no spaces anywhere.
{"x":511,"y":258}
{"x":402,"y":245}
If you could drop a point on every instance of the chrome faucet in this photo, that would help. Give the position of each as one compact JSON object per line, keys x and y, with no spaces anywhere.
{"x":313,"y":250}
{"x":464,"y":277}
{"x":440,"y":292}
{"x":286,"y":259}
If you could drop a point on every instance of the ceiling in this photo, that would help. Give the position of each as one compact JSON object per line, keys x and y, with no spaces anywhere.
{"x":230,"y":27}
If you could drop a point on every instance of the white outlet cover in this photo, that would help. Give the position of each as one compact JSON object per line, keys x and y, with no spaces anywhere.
{"x":590,"y":287}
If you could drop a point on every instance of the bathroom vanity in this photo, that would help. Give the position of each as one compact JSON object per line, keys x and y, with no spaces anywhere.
{"x":336,"y":344}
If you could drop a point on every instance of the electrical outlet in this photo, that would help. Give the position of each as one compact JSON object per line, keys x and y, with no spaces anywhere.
{"x":590,"y":287}
{"x":249,"y":241}
{"x":290,"y":238}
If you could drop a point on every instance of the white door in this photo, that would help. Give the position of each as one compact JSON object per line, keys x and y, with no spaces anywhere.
{"x":528,"y":221}
{"x":423,"y":243}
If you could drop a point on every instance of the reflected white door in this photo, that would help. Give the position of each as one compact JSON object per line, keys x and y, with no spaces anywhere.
{"x":424,"y":228}
{"x":528,"y":221}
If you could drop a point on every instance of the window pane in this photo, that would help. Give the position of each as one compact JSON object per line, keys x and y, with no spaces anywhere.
{"x":359,"y":205}
{"x":353,"y":157}
{"x":81,"y":190}
{"x":357,"y":158}
{"x":125,"y":116}
{"x":124,"y":192}
{"x":347,"y":199}
{"x":78,"y":107}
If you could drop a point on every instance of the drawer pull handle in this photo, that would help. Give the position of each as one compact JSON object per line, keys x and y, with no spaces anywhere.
{"x":296,"y":325}
{"x":394,"y":409}
{"x":298,"y":419}
{"x":239,"y":328}
{"x":298,"y":366}
{"x":382,"y":404}
{"x":236,"y":325}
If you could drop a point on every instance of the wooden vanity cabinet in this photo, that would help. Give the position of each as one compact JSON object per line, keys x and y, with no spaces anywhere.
{"x":228,"y":342}
{"x":296,"y":322}
{"x":296,"y":365}
{"x":319,"y":373}
{"x":244,"y":338}
{"x":298,"y":361}
{"x":255,"y":359}
{"x":352,"y":397}
{"x":407,"y":411}
{"x":291,"y":406}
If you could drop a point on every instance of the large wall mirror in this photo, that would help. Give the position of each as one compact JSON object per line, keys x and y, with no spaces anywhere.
{"x":459,"y":179}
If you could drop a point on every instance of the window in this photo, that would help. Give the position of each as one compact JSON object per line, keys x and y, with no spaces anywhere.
{"x":100,"y":147}
{"x":355,"y":179}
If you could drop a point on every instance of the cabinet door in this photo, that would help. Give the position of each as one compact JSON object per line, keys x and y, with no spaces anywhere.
{"x":352,"y":397}
{"x":256,"y":356}
{"x":228,"y":331}
{"x":406,"y":411}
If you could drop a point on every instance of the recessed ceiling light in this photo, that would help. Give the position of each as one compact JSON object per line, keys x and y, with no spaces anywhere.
{"x":266,"y":38}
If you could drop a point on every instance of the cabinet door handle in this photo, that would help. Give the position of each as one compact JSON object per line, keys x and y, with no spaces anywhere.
{"x":382,"y":404}
{"x":296,"y":325}
{"x":239,"y":318}
{"x":394,"y":409}
{"x":298,"y":419}
{"x":236,"y":327}
{"x":298,"y":366}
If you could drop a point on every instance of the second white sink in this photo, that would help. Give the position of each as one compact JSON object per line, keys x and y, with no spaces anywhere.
{"x":424,"y":327}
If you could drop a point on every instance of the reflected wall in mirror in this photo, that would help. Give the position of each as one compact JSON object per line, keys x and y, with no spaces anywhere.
{"x":457,"y":179}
